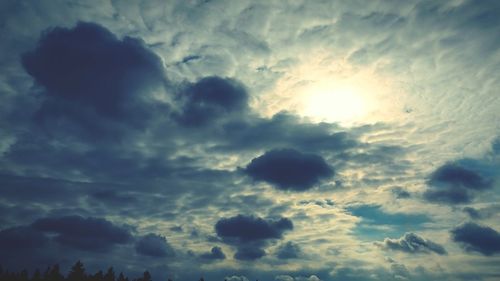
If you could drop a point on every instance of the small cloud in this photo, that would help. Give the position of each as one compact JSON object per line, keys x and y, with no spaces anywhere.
{"x":412,"y":243}
{"x":477,"y":238}
{"x":236,"y":278}
{"x":214,"y":254}
{"x":249,"y":253}
{"x":288,"y":250}
{"x":297,"y":278}
{"x":454,"y":184}
{"x":249,"y":228}
{"x":400,"y":193}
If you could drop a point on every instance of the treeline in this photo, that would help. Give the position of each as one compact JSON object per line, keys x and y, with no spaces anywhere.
{"x":77,"y":273}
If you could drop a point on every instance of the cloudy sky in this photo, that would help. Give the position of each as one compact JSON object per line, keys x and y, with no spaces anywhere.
{"x":270,"y":140}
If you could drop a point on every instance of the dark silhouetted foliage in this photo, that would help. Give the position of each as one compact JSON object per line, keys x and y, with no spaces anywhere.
{"x":76,"y":273}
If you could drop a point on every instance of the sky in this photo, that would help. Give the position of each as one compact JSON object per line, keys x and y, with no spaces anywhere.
{"x":244,"y":140}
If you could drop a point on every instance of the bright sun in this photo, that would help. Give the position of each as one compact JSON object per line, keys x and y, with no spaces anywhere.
{"x":326,"y":90}
{"x":341,"y":102}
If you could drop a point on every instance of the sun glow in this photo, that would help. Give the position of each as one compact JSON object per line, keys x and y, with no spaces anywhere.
{"x":326,"y":90}
{"x":341,"y":102}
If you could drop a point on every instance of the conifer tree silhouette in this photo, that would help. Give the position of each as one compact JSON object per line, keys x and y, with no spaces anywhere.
{"x":55,"y":274}
{"x":122,"y":277}
{"x":146,"y":276}
{"x":98,"y":276}
{"x":110,"y":275}
{"x":77,"y":272}
{"x":37,"y":276}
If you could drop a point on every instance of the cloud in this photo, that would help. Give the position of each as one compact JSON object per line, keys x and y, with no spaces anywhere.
{"x":154,"y":245}
{"x":284,"y":130}
{"x":289,"y":250}
{"x":289,"y":169}
{"x":412,"y":243}
{"x":236,"y":278}
{"x":249,"y":228}
{"x":298,"y":278}
{"x":211,"y":98}
{"x":481,"y":213}
{"x":93,"y":79}
{"x":456,"y":176}
{"x":88,"y":234}
{"x":454,"y":184}
{"x":477,"y":238}
{"x":249,"y":234}
{"x":400,"y":193}
{"x":249,"y":253}
{"x":21,"y":238}
{"x":214,"y":254}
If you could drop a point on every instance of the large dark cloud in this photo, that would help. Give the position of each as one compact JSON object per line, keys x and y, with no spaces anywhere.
{"x":20,"y":238}
{"x":249,"y":228}
{"x":89,"y":234}
{"x":211,"y":98}
{"x":249,"y":234}
{"x":289,"y":169}
{"x":154,"y":245}
{"x":454,"y":184}
{"x":92,"y":79}
{"x":412,"y":243}
{"x":478,"y":238}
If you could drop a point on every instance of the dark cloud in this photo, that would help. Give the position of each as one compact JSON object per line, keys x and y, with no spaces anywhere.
{"x":93,"y":79}
{"x":89,"y":234}
{"x":449,"y":196}
{"x":154,"y":245}
{"x":249,"y":228}
{"x":454,"y":184}
{"x":289,"y":250}
{"x":482,"y":213}
{"x":452,"y":175}
{"x":211,"y":98}
{"x":21,"y":238}
{"x":472,"y":212}
{"x":214,"y":254}
{"x":284,"y":130}
{"x":412,"y":243}
{"x":250,"y":234}
{"x":247,"y":253}
{"x":478,"y":238}
{"x":289,"y":169}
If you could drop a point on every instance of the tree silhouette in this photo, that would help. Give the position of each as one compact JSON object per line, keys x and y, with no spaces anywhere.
{"x":55,"y":274}
{"x":37,"y":276}
{"x":77,"y":272}
{"x":146,"y":276}
{"x":110,"y":275}
{"x":98,"y":276}
{"x":122,"y":277}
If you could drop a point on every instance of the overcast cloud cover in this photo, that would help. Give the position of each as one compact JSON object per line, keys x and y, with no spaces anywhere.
{"x":270,"y":140}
